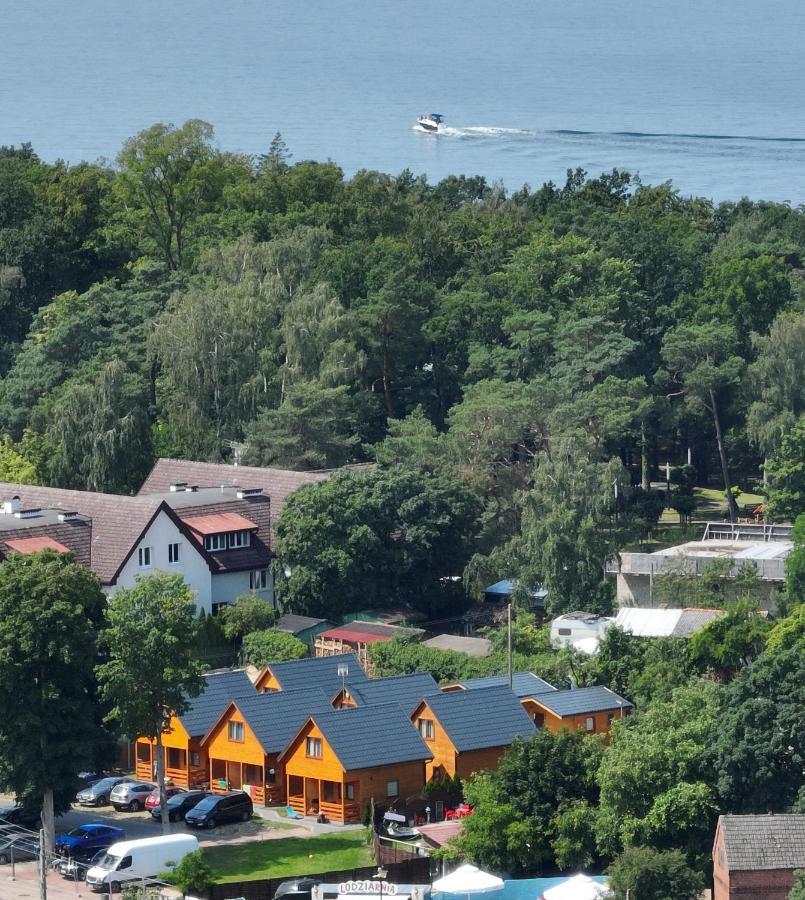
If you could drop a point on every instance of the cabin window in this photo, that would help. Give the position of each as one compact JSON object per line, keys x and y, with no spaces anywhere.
{"x":174,"y":553}
{"x":566,"y":631}
{"x":349,"y":790}
{"x":426,"y":729}
{"x":590,"y":724}
{"x":195,"y":758}
{"x":215,"y":542}
{"x":393,"y":788}
{"x":145,"y":557}
{"x":539,"y":719}
{"x":258,"y":579}
{"x":238,"y":539}
{"x":236,"y":731}
{"x":610,"y":717}
{"x":313,"y":747}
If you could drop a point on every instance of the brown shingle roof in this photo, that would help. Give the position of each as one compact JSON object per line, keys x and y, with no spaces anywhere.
{"x":763,"y":842}
{"x":117,"y":521}
{"x":276,"y":483}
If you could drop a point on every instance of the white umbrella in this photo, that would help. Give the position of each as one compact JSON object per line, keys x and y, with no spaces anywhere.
{"x":468,"y":880}
{"x":579,"y":887}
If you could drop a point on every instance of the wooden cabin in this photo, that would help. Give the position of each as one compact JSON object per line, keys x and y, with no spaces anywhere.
{"x":524,"y":684}
{"x":468,"y":731}
{"x":186,"y":762}
{"x":329,"y":673}
{"x":244,"y":743}
{"x":590,"y":708}
{"x":405,"y":690}
{"x":343,"y":759}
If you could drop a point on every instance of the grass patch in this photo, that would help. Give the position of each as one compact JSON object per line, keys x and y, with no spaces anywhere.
{"x":284,"y":857}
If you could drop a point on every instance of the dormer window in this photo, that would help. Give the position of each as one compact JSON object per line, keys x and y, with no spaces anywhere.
{"x":238,"y":539}
{"x":233,"y":540}
{"x":215,"y":542}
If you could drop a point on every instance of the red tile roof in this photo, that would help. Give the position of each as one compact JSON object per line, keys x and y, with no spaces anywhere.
{"x":367,"y":632}
{"x":34,"y":544}
{"x":219,"y":523}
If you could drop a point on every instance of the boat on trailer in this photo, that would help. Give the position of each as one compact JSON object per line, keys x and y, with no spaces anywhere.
{"x":433,"y":123}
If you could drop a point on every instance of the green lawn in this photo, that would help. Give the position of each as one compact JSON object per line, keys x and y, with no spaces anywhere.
{"x":289,"y":856}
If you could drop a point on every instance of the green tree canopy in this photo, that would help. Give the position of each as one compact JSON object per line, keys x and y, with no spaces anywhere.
{"x":267,"y":646}
{"x":654,"y":875}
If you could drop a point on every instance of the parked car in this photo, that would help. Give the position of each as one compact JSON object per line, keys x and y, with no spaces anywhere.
{"x":86,"y":837}
{"x":130,"y":795}
{"x":152,"y":800}
{"x":22,"y":816}
{"x":76,"y":867}
{"x":98,"y":794}
{"x":220,"y":808}
{"x":179,"y":805}
{"x":18,"y":847}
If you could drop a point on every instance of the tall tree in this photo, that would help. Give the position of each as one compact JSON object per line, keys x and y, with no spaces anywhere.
{"x":50,"y":608}
{"x":703,"y":366}
{"x":150,"y":673}
{"x":785,"y":471}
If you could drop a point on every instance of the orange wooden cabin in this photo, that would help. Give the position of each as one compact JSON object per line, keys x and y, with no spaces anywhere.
{"x":589,"y":708}
{"x":330,"y":673}
{"x":244,"y":744}
{"x":469,"y":730}
{"x":186,"y":762}
{"x":341,"y":760}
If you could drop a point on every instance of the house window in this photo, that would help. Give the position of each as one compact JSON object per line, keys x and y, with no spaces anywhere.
{"x":539,"y":719}
{"x":349,"y":790}
{"x":145,"y":557}
{"x":236,"y":731}
{"x":258,"y":579}
{"x":590,"y":724}
{"x":215,"y":608}
{"x":195,"y":758}
{"x":174,"y":551}
{"x":610,"y":717}
{"x":239,"y":539}
{"x":215,"y":542}
{"x":313,"y":747}
{"x":393,"y":788}
{"x":426,"y":729}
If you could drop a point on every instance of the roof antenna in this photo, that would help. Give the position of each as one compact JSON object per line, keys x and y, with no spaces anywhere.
{"x":343,"y":671}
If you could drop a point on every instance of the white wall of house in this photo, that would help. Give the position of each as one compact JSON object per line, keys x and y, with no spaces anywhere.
{"x":191,"y":565}
{"x":226,"y":586}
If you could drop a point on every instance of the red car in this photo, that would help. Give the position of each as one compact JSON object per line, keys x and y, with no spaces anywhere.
{"x":152,"y":800}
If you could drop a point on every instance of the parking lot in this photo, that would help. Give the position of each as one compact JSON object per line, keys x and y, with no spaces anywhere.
{"x":135,"y":825}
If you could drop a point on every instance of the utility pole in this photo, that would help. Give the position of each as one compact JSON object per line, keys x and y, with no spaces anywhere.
{"x":509,"y":641}
{"x":43,"y":866}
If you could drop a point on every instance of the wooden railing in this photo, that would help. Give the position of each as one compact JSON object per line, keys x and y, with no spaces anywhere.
{"x":297,"y":803}
{"x":177,"y":776}
{"x":143,"y":771}
{"x":332,"y":810}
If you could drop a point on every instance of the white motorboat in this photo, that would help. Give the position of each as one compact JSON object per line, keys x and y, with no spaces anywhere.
{"x":401,"y":832}
{"x":433,"y":123}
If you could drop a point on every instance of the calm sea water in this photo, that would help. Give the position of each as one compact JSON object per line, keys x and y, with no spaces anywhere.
{"x":709,"y":93}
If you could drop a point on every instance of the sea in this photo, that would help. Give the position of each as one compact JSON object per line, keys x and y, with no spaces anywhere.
{"x":709,"y":94}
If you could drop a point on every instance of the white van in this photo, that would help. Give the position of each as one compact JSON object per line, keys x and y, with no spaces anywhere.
{"x":138,"y":860}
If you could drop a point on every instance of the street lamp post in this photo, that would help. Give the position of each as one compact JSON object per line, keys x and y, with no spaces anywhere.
{"x":380,"y":876}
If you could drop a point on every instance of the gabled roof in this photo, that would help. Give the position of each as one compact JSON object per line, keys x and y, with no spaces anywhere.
{"x":578,"y":701}
{"x":293,"y":624}
{"x":505,"y":587}
{"x":474,"y":720}
{"x":646,"y":622}
{"x":278,"y":484}
{"x":524,"y":684}
{"x":763,"y":842}
{"x":277,"y":716}
{"x":404,"y":690}
{"x":117,"y":521}
{"x":369,"y":736}
{"x":318,"y":672}
{"x":220,"y":688}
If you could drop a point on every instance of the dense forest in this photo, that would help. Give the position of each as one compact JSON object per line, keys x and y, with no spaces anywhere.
{"x":518,"y":364}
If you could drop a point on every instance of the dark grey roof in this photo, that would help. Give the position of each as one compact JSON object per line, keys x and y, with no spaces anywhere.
{"x":369,"y":736}
{"x":276,"y":716}
{"x":492,"y":717}
{"x":524,"y":684}
{"x":764,"y":842}
{"x":317,"y":672}
{"x":404,"y":690}
{"x":578,"y":701}
{"x":221,"y":687}
{"x":293,"y":624}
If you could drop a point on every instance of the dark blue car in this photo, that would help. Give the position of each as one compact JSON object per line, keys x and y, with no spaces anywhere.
{"x":87,"y":836}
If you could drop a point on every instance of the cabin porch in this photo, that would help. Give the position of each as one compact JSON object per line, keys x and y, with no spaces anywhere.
{"x":338,"y":801}
{"x":260,"y":782}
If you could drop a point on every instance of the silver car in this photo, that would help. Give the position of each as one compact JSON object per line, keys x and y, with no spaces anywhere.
{"x":97,"y":794}
{"x":130,"y":795}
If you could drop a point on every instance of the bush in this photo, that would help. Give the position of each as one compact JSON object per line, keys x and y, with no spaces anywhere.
{"x":641,"y":873}
{"x":193,"y":873}
{"x":263,"y":647}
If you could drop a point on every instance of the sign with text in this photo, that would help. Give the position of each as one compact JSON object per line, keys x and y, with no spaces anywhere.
{"x":367,"y":887}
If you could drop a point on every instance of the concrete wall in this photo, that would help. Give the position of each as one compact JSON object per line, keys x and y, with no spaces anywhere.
{"x":636,"y":590}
